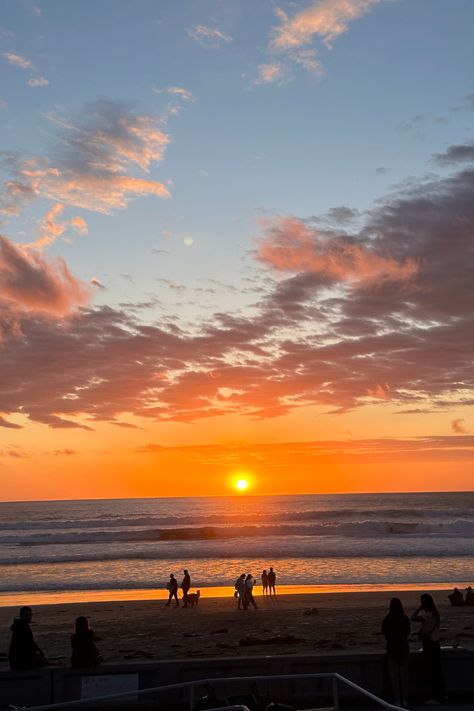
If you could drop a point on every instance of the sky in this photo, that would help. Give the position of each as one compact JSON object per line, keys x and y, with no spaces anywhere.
{"x":236,"y":241}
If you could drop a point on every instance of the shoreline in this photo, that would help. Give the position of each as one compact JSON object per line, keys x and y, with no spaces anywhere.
{"x":58,"y":597}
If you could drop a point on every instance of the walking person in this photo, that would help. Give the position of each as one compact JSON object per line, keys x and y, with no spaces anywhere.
{"x":249,"y":598}
{"x":264,"y":578}
{"x":396,"y":629}
{"x":185,"y":585}
{"x":428,"y":615}
{"x":271,"y":581}
{"x":172,"y":587}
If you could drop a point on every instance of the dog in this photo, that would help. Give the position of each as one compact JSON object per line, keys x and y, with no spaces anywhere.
{"x":192,"y":599}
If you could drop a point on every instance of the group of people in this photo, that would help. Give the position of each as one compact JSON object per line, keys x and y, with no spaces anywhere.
{"x":396,"y":628}
{"x":172,"y":587}
{"x":244,"y":588}
{"x":457,"y":599}
{"x":268,"y":582}
{"x":24,"y":653}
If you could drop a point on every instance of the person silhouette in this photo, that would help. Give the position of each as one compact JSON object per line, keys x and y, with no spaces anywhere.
{"x":271,"y":581}
{"x":24,"y":653}
{"x":185,"y":585}
{"x":172,"y":587}
{"x":396,"y":629}
{"x":428,"y":633}
{"x":84,"y":651}
{"x":264,"y":578}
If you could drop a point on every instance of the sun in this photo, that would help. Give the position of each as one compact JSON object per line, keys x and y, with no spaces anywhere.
{"x":241,"y":484}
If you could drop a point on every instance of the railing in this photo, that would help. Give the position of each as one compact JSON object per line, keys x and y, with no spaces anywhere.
{"x":191,"y":686}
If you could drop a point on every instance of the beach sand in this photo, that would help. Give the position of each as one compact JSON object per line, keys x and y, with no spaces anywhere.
{"x":317,"y":623}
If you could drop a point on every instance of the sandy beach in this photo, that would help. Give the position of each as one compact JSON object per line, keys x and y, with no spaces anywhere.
{"x":317,"y":623}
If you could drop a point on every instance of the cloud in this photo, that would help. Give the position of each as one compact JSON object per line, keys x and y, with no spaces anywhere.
{"x":9,"y":425}
{"x":37,"y":81}
{"x":209,"y":37}
{"x":291,"y":246}
{"x":326,"y":19}
{"x":95,"y":282}
{"x":458,"y":426}
{"x":32,"y":286}
{"x":382,"y":315}
{"x":269,"y":73}
{"x":456,"y":154}
{"x":18,"y":61}
{"x":94,"y":162}
{"x":63,"y":452}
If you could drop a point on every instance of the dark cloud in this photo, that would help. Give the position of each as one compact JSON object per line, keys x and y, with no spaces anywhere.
{"x":456,"y":154}
{"x":383,"y":315}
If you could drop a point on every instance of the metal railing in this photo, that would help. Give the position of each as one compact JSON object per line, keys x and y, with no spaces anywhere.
{"x":218,"y":681}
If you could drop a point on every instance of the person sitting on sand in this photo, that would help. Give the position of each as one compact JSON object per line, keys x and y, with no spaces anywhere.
{"x":240,"y":589}
{"x":456,"y":599}
{"x":469,"y":597}
{"x":185,"y":585}
{"x":249,"y":598}
{"x":271,"y":581}
{"x":172,"y":587}
{"x":264,"y":582}
{"x":396,"y":628}
{"x":24,"y":653}
{"x":84,"y":651}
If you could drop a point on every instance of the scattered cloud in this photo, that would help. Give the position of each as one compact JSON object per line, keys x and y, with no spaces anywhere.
{"x":95,"y":282}
{"x":18,"y":60}
{"x":458,"y":427}
{"x":270,"y":73}
{"x":37,"y":81}
{"x":209,"y":37}
{"x":323,"y":20}
{"x":63,"y":452}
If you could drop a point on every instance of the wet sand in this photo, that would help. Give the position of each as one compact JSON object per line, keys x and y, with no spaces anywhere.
{"x":310,"y":623}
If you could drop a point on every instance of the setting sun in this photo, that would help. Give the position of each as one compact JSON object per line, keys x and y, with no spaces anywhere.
{"x":241,"y":484}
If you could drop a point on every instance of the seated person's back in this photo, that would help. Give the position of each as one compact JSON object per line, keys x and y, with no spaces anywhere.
{"x":456,"y":599}
{"x":84,"y":651}
{"x":24,"y":653}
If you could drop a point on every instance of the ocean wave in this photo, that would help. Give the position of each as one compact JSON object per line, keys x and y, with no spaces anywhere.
{"x":353,"y":529}
{"x":316,"y":516}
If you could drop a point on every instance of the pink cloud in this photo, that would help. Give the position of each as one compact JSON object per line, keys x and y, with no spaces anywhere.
{"x":289,"y":245}
{"x":327,"y":19}
{"x":269,"y":73}
{"x":30,"y":285}
{"x":18,"y":61}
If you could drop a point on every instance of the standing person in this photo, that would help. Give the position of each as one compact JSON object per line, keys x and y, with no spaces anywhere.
{"x":24,"y":653}
{"x":172,"y":587}
{"x":84,"y":651}
{"x":428,"y":633}
{"x":264,"y":582}
{"x":185,"y":585}
{"x":249,"y":598}
{"x":396,"y":628}
{"x":240,"y":587}
{"x":271,"y":581}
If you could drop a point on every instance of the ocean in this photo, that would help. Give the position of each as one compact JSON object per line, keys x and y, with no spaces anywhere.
{"x":330,"y":541}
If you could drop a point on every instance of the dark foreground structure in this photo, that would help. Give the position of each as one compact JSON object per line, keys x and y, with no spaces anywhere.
{"x":40,"y":687}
